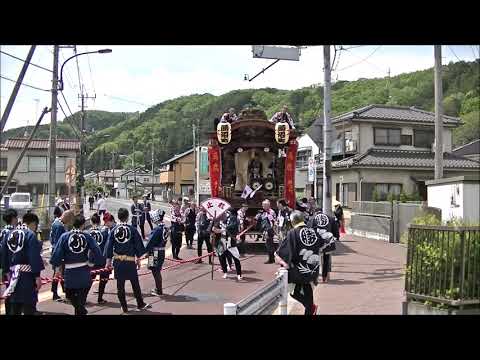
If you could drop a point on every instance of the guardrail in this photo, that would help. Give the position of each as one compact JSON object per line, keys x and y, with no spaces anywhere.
{"x":264,"y":299}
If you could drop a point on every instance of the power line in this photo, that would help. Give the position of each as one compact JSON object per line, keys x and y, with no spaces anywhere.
{"x":351,"y":47}
{"x":363,"y":60}
{"x":65,"y":120}
{"x":78,"y":72}
{"x":66,"y":103}
{"x":122,"y":99}
{"x":453,"y":52}
{"x":473,"y":51}
{"x":23,"y":84}
{"x":91,"y":75}
{"x":22,"y":60}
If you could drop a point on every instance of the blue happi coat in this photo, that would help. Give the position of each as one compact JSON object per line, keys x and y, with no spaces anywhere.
{"x":124,"y":239}
{"x":58,"y":228}
{"x":101,"y":237}
{"x":74,"y":247}
{"x":3,"y":237}
{"x":21,"y":247}
{"x":157,"y":242}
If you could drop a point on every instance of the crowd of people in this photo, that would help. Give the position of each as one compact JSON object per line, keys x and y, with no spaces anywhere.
{"x":304,"y":235}
{"x":76,"y":254}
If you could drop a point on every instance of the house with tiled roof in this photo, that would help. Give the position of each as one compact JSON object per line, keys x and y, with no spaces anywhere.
{"x":470,"y":150}
{"x":389,"y":149}
{"x":33,"y":171}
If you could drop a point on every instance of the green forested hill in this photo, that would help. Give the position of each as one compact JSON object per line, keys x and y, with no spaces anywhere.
{"x":170,"y":122}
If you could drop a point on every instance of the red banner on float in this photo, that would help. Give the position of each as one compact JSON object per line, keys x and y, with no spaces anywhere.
{"x":215,"y":169}
{"x":290,"y":164}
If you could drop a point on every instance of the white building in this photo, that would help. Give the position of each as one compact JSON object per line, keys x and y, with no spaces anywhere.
{"x":457,"y":197}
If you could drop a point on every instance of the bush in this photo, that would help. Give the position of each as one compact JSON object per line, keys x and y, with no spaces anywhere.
{"x":375,"y":195}
{"x":440,"y":259}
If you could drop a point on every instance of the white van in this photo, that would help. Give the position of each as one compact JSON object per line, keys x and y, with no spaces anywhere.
{"x":21,"y":202}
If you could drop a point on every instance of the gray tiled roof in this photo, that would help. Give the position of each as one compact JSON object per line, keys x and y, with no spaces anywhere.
{"x":395,"y":113}
{"x":178,"y":156}
{"x":468,"y":149}
{"x":315,"y":131}
{"x":405,"y":159}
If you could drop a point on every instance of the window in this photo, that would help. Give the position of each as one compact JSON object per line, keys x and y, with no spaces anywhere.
{"x":146,"y":179}
{"x":349,"y":194}
{"x":387,"y":136}
{"x":37,"y":163}
{"x":423,"y":138}
{"x":406,"y":139}
{"x":3,"y":164}
{"x":384,"y":189}
{"x":60,"y":164}
{"x":302,"y":158}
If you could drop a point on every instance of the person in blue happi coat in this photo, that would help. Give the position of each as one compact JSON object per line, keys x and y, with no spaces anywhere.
{"x":125,"y":247}
{"x":60,"y":225}
{"x":22,"y":260}
{"x":155,"y":248}
{"x":11,"y":219}
{"x":100,"y":235}
{"x":73,"y":249}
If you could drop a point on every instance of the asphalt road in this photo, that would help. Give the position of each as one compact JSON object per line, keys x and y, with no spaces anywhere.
{"x":188,"y":288}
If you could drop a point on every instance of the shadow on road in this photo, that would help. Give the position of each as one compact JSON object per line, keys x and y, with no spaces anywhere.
{"x":178,"y":298}
{"x":342,"y":282}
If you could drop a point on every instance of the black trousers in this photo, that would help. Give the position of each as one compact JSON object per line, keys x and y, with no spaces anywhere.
{"x":303,"y":293}
{"x":78,"y":298}
{"x":104,"y":276}
{"x":149,"y":220}
{"x":200,"y":241}
{"x":229,"y":258}
{"x":141,"y":225}
{"x":241,"y":245}
{"x":137,"y":292}
{"x":157,"y":276}
{"x":55,"y":286}
{"x":176,"y":240}
{"x":19,"y":309}
{"x":326,"y":265}
{"x":189,"y":233}
{"x":270,"y":245}
{"x":223,"y":262}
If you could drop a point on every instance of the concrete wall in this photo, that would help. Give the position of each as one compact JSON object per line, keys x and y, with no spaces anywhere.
{"x":457,"y":199}
{"x":471,"y":202}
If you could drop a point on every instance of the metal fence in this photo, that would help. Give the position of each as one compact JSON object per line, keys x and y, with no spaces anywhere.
{"x":264,"y":300}
{"x":443,"y":265}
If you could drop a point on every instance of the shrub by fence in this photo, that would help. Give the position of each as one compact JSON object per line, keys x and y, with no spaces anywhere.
{"x":443,"y":265}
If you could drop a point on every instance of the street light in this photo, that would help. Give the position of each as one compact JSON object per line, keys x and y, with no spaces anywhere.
{"x":102,"y":51}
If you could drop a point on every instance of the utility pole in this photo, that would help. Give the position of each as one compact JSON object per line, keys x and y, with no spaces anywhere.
{"x":195,"y":163}
{"x":81,"y":179}
{"x":438,"y":113}
{"x":52,"y":176}
{"x":153,"y":175}
{"x":134,"y":171}
{"x":16,"y":88}
{"x":327,"y":134}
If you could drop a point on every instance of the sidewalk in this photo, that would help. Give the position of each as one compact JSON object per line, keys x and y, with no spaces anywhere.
{"x":367,"y":278}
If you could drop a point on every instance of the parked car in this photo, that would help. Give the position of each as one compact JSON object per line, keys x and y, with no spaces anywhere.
{"x":22,"y":202}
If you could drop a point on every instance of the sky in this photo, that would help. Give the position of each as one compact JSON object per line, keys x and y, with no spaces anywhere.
{"x":134,"y":78}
